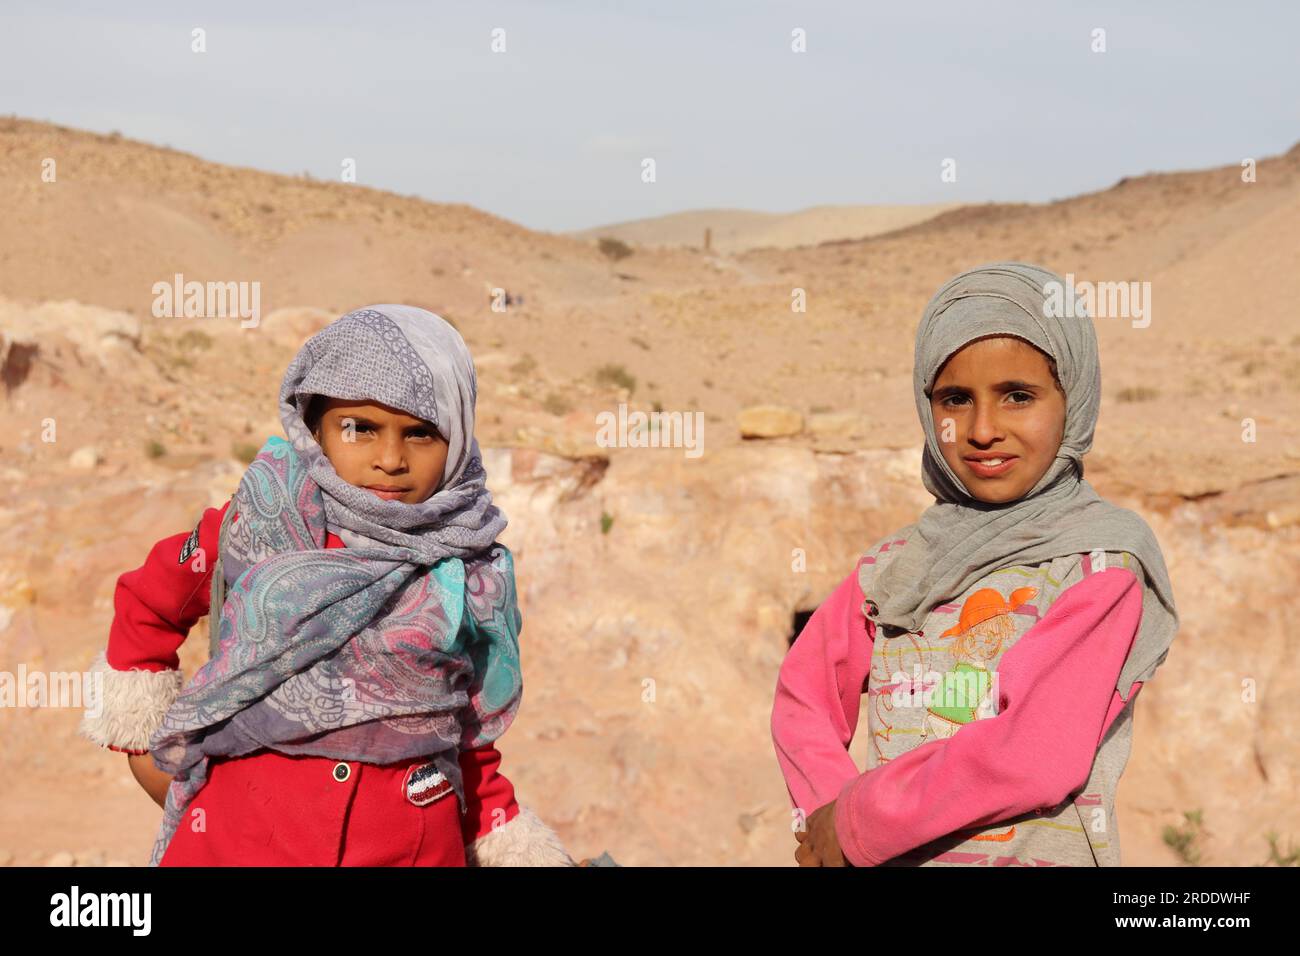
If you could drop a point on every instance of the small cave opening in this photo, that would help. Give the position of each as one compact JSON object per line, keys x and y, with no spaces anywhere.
{"x":16,"y":364}
{"x":798,"y":621}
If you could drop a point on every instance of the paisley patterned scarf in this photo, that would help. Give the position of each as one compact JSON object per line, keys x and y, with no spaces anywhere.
{"x":403,"y":644}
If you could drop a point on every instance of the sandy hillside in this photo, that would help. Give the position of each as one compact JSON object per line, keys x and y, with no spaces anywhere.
{"x":739,"y":230}
{"x":642,"y":564}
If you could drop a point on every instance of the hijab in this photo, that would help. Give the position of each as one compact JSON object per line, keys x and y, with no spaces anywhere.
{"x":960,"y":539}
{"x":413,"y":360}
{"x":403,"y":644}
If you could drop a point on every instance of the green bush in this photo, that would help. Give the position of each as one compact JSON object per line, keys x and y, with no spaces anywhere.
{"x":1183,"y":839}
{"x":614,"y":249}
{"x":615,"y":376}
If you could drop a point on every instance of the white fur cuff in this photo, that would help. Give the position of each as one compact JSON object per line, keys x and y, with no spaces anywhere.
{"x":524,"y":841}
{"x":126,"y":707}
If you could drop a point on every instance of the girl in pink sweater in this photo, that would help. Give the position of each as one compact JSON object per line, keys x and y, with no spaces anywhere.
{"x":1001,"y":639}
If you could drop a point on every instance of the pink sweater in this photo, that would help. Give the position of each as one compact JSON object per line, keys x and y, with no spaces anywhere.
{"x":1057,"y":698}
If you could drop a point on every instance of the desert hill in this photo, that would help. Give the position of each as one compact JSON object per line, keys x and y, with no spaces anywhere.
{"x":739,"y":230}
{"x":643,"y":564}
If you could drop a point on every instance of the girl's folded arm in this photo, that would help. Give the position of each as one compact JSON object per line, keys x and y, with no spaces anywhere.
{"x":818,"y":696}
{"x":155,"y":606}
{"x":1056,"y":699}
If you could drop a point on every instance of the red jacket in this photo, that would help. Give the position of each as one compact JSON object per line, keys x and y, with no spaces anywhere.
{"x":156,"y":605}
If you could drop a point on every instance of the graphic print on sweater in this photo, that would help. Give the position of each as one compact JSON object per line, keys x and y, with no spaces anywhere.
{"x":925,"y":686}
{"x":963,"y":693}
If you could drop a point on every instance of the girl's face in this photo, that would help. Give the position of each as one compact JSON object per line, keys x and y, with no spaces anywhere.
{"x":382,"y":449}
{"x":996,"y":398}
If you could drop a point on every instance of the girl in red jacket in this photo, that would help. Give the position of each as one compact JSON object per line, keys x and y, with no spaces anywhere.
{"x":364,"y":629}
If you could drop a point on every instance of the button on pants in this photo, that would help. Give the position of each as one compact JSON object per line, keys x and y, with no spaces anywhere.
{"x":271,"y":809}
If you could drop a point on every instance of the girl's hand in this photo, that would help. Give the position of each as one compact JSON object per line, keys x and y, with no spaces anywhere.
{"x":818,"y":844}
{"x":153,"y":780}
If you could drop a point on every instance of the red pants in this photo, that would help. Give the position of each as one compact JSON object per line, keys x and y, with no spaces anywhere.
{"x":270,"y":809}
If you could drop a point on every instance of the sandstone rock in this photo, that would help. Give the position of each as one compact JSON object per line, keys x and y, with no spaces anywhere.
{"x":836,"y":425}
{"x":103,"y":337}
{"x":84,"y":458}
{"x":565,"y":444}
{"x":1272,"y":503}
{"x":294,"y":326}
{"x":224,"y":481}
{"x":20,"y":593}
{"x":769,"y":421}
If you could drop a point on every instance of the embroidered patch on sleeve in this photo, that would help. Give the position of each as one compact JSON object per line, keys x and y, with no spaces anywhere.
{"x":425,"y":783}
{"x":191,"y":543}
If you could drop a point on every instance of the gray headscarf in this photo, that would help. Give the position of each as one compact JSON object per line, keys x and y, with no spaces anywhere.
{"x":414,"y":360}
{"x":960,"y":539}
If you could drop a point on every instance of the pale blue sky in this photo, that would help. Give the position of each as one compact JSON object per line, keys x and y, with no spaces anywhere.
{"x":551,"y":133}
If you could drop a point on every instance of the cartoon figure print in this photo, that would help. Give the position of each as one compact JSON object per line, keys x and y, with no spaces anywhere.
{"x":962,"y":694}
